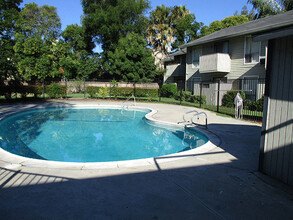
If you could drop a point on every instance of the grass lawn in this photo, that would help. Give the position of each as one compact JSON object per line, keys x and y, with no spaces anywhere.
{"x":223,"y":111}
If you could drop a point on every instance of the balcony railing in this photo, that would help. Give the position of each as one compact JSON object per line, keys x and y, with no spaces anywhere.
{"x":216,"y":62}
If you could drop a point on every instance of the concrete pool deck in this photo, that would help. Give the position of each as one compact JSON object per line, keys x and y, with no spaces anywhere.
{"x":221,"y":183}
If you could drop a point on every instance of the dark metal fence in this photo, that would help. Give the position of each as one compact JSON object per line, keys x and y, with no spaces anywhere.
{"x":220,"y":96}
{"x":76,"y":89}
{"x":216,"y":96}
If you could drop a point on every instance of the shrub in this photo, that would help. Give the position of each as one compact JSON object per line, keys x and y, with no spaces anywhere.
{"x":168,"y":90}
{"x":36,"y":90}
{"x":6,"y":91}
{"x":92,"y":91}
{"x":23,"y":90}
{"x":103,"y":92}
{"x":185,"y":96}
{"x":188,"y":97}
{"x":228,"y":98}
{"x":196,"y":99}
{"x":121,"y":91}
{"x":55,"y":91}
{"x":259,"y":104}
{"x":151,"y":93}
{"x":125,"y":91}
{"x":254,"y":106}
{"x":115,"y":91}
{"x":76,"y":86}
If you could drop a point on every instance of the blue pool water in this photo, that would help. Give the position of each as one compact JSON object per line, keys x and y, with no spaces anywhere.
{"x":92,"y":135}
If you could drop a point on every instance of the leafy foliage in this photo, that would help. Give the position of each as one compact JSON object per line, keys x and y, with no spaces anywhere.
{"x":188,"y":97}
{"x":225,"y":23}
{"x":92,"y":91}
{"x":185,"y":25}
{"x":36,"y":35}
{"x":120,"y":92}
{"x":7,"y":91}
{"x":168,"y":90}
{"x":9,"y":13}
{"x":78,"y":40}
{"x":82,"y":63}
{"x":132,"y":61}
{"x":39,"y":21}
{"x":168,"y":28}
{"x":254,"y":106}
{"x":108,"y":21}
{"x":228,"y":98}
{"x":55,"y":91}
{"x":270,"y":7}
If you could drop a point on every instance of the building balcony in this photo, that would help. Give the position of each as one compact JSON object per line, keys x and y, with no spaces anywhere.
{"x":217,"y":62}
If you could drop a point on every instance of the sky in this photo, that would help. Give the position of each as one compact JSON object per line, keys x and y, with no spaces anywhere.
{"x":205,"y":11}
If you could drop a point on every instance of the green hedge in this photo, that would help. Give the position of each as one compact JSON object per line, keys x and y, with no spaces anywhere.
{"x":92,"y":91}
{"x":188,"y":97}
{"x":104,"y":92}
{"x":151,"y":93}
{"x":55,"y":91}
{"x":228,"y":98}
{"x":7,"y":91}
{"x":254,"y":106}
{"x":169,"y":90}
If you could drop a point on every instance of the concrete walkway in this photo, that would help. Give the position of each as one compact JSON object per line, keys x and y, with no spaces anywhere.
{"x":222,"y":183}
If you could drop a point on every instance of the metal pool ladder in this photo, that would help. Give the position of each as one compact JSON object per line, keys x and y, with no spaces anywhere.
{"x":134,"y":102}
{"x":195,"y":114}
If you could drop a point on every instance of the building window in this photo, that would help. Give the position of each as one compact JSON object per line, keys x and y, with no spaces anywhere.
{"x":221,"y":47}
{"x":249,"y":86}
{"x":251,"y":51}
{"x":196,"y":53}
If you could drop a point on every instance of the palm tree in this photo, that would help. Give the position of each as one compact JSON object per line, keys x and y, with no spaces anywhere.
{"x":165,"y":27}
{"x":270,"y":7}
{"x":160,"y":33}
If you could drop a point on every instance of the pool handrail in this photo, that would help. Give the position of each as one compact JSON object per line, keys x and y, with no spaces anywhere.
{"x":200,"y":113}
{"x":186,"y":113}
{"x":196,"y":114}
{"x":128,"y":100}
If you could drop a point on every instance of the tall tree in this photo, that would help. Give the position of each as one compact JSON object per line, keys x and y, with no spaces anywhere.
{"x":38,"y":30}
{"x":160,"y":34}
{"x":265,"y":7}
{"x":168,"y":28}
{"x":108,"y":21}
{"x":286,"y":4}
{"x":9,"y":13}
{"x":83,"y":62}
{"x":185,"y":25}
{"x":43,"y":21}
{"x":270,"y":7}
{"x":132,"y":61}
{"x":225,"y":23}
{"x":244,"y":10}
{"x":77,"y":38}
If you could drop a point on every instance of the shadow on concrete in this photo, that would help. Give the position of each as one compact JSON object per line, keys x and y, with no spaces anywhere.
{"x":210,"y":185}
{"x":241,"y":141}
{"x":213,"y":191}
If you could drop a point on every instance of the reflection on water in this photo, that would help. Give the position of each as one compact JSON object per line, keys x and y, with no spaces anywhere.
{"x":18,"y":131}
{"x":91,"y":135}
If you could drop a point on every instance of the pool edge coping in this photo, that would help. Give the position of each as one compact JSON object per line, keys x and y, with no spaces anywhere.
{"x":16,"y":161}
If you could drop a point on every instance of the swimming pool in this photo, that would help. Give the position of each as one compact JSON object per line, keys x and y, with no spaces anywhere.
{"x":92,"y":135}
